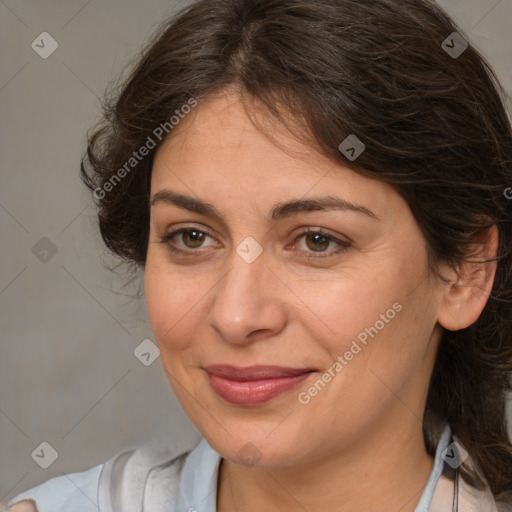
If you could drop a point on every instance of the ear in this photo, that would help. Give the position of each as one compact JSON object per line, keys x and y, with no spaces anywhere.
{"x":470,"y":284}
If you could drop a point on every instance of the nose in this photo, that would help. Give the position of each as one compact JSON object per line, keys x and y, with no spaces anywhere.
{"x":249,"y":302}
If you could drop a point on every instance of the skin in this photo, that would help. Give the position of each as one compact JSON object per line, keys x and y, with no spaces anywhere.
{"x":21,"y":506}
{"x":358,"y":444}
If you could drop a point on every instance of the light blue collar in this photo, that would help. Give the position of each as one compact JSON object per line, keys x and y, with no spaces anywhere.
{"x":198,"y":483}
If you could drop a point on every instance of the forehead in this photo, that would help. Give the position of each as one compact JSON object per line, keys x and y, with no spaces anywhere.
{"x":218,"y":152}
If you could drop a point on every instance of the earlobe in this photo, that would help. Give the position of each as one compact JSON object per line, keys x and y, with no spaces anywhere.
{"x":465,"y":295}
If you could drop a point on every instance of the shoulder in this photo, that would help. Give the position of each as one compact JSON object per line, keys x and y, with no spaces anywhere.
{"x":77,"y":490}
{"x":135,"y":476}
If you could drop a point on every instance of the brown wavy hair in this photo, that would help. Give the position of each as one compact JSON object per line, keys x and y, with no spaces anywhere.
{"x":435,"y":127}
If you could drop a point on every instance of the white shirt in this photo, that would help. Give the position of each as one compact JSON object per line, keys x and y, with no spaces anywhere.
{"x":163,"y":479}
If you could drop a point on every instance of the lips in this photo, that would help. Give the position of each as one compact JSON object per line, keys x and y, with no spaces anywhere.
{"x":255,"y":384}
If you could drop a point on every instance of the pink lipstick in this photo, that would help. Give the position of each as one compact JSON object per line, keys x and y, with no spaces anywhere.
{"x":254,"y":385}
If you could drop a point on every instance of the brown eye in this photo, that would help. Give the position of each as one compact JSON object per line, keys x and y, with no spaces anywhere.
{"x":317,"y":242}
{"x":192,"y":238}
{"x":184,"y":240}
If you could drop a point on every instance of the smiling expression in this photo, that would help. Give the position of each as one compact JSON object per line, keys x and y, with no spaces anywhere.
{"x":264,"y":257}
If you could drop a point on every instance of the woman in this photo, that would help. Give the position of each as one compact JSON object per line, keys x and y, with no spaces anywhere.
{"x":316,"y":193}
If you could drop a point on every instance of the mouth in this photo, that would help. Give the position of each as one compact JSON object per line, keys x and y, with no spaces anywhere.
{"x":254,"y":385}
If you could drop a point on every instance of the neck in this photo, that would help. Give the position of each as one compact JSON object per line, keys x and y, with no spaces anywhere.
{"x":390,"y":468}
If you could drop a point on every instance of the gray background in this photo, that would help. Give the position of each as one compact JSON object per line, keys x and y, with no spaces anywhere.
{"x":68,"y":375}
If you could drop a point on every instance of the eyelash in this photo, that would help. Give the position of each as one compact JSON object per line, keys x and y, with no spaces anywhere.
{"x":166,"y":239}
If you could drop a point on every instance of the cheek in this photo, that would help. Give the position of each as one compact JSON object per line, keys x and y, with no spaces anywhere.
{"x":157,"y":298}
{"x":172,"y":301}
{"x":379,"y":318}
{"x":348,"y":305}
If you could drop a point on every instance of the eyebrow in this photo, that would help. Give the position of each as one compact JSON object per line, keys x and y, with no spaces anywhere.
{"x":278,"y":211}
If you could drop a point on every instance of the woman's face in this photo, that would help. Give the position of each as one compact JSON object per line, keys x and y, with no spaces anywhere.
{"x":349,"y":315}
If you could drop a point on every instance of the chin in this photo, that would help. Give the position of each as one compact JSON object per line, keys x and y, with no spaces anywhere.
{"x":253,"y":447}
